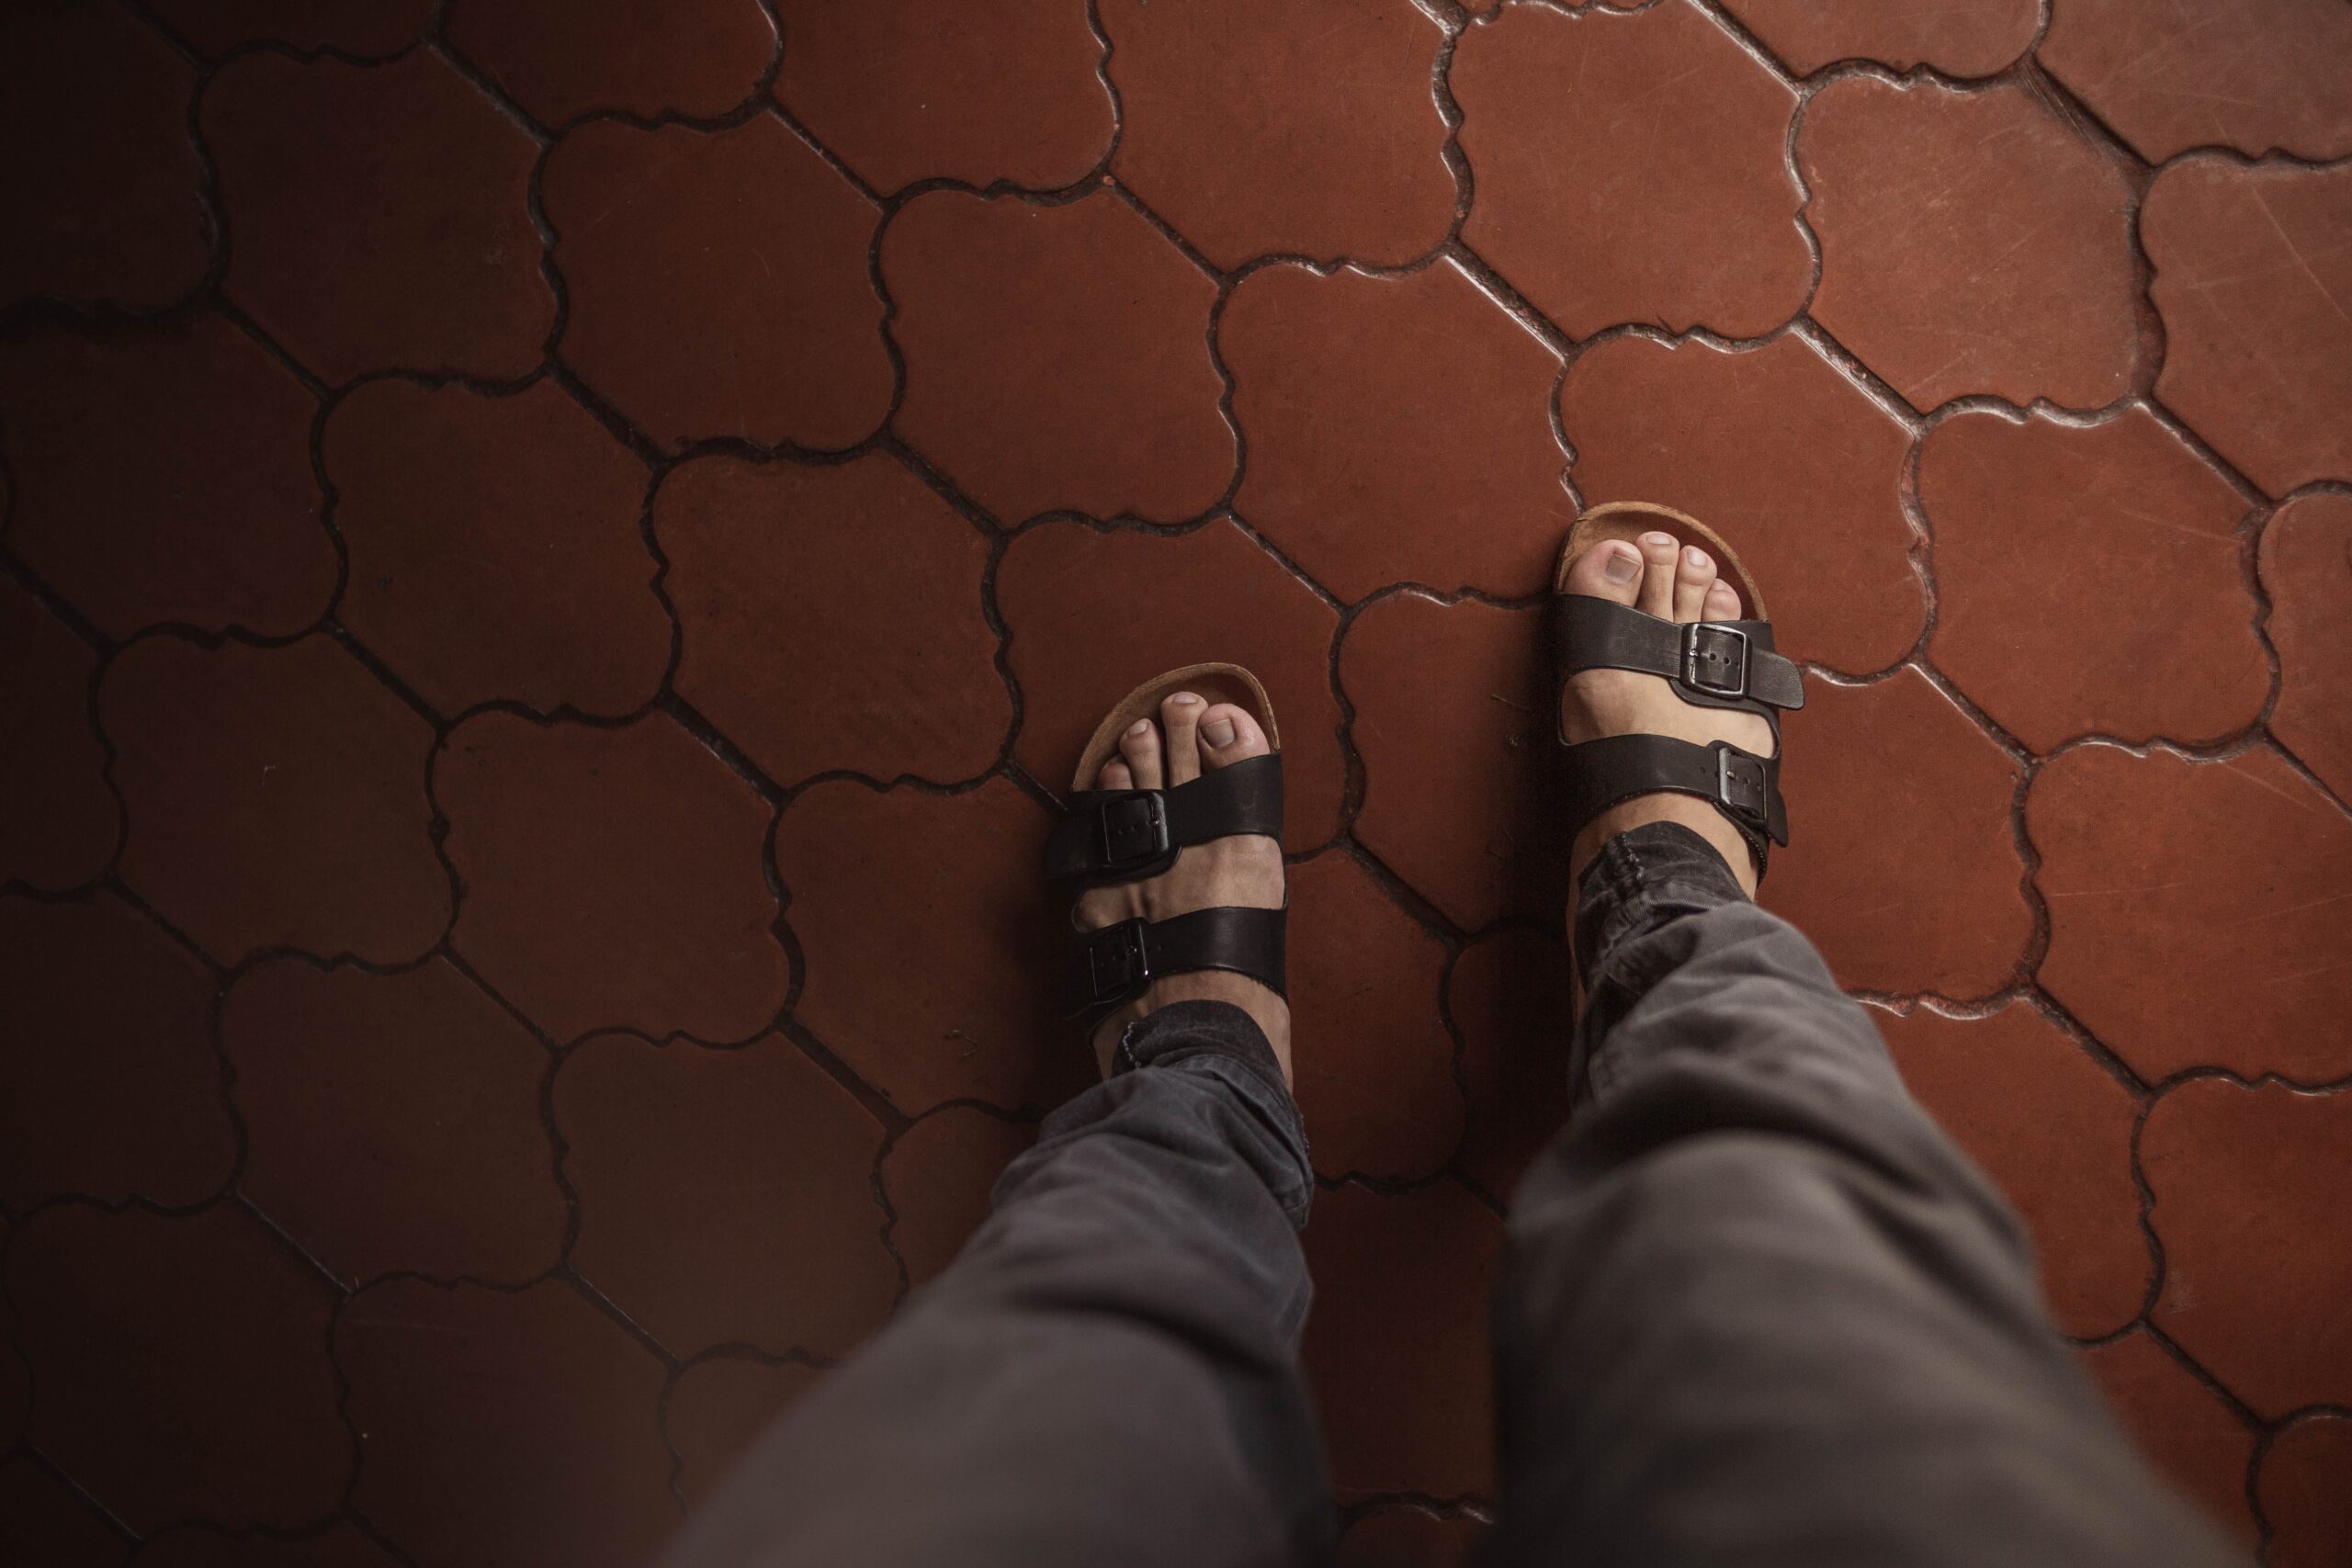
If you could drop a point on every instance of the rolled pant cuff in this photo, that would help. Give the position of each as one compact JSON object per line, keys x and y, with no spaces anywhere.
{"x":1640,"y":880}
{"x":1222,"y":1040}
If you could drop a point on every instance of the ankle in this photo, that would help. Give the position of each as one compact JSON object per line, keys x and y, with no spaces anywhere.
{"x":1268,"y":1012}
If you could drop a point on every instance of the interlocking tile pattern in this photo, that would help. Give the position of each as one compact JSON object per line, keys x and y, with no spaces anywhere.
{"x":554,"y":558}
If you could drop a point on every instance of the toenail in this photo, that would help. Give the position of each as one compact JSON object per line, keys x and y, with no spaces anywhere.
{"x":1219,"y":732}
{"x":1185,"y":700}
{"x":1623,"y":567}
{"x":1696,"y":556}
{"x":1140,"y":726}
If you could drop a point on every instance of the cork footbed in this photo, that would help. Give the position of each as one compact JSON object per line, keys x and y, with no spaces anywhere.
{"x":1627,"y":520}
{"x":1214,"y":683}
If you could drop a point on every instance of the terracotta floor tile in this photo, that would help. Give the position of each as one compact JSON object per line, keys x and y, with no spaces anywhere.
{"x":197,"y":1546}
{"x":1397,"y":1348}
{"x":110,"y":1087}
{"x":1779,"y":450}
{"x":1974,"y":40}
{"x":2016,"y":279}
{"x":392,"y":1122}
{"x":2053,"y":1130}
{"x":494,"y":548}
{"x":2251,"y":274}
{"x":1397,"y":430}
{"x":937,"y":1177}
{"x":2087,"y":580}
{"x":2306,"y":1491}
{"x":62,"y":822}
{"x":717,"y":1410}
{"x":379,"y":216}
{"x":504,"y":1429}
{"x":1658,"y":192}
{"x":611,"y":878}
{"x":930,"y":943}
{"x":1406,"y":1538}
{"x":1056,"y":358}
{"x":1373,"y":1061}
{"x":2182,"y":901}
{"x":1902,"y":863}
{"x":1510,"y":995}
{"x":1302,"y":130}
{"x":2252,"y":74}
{"x":726,"y":1197}
{"x":2187,"y":1432}
{"x":275,"y":798}
{"x":794,"y":588}
{"x":1094,"y":615}
{"x":645,"y":58}
{"x":166,"y":477}
{"x":932,"y":89}
{"x":109,"y":211}
{"x":2307,"y":572}
{"x":2253,"y":1189}
{"x":1455,"y":721}
{"x":48,"y":1526}
{"x":214,"y":28}
{"x":718,"y":283}
{"x":213,"y":1332}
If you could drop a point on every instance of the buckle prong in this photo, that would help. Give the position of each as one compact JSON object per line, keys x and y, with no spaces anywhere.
{"x":1743,"y":786}
{"x":1695,"y":660}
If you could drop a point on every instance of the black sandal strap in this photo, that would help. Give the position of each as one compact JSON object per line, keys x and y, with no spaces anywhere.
{"x":1723,"y":664}
{"x":1112,"y":966}
{"x":1745,"y":787}
{"x":1123,"y":835}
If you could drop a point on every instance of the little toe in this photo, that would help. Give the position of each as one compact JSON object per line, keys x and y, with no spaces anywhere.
{"x":1722,"y":602}
{"x":1611,"y":569}
{"x":1693,"y":575}
{"x":1115,"y":775}
{"x":1660,"y":557}
{"x":1179,"y":718}
{"x":1229,"y":734}
{"x":1140,"y":747}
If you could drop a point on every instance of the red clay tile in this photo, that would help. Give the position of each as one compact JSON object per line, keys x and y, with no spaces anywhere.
{"x":111,"y":1088}
{"x":645,"y":58}
{"x":1456,"y":723}
{"x":379,"y":216}
{"x":2188,"y":1432}
{"x":2252,"y":277}
{"x":718,"y":1408}
{"x":166,"y":477}
{"x":2087,"y":580}
{"x":1373,"y":1061}
{"x":180,"y":1365}
{"x":48,"y":1526}
{"x":2307,"y":572}
{"x":2306,"y":1491}
{"x":2185,"y":911}
{"x":1656,"y":192}
{"x":275,"y":798}
{"x":494,"y":548}
{"x":718,"y":283}
{"x":1007,"y":91}
{"x":1903,"y":863}
{"x":1056,"y":358}
{"x":108,"y":211}
{"x":1775,"y":446}
{"x":1305,"y":129}
{"x":2053,"y":1129}
{"x":1970,"y":242}
{"x":392,"y":1122}
{"x":197,"y":1546}
{"x":61,"y":824}
{"x":1095,"y":613}
{"x":611,"y":878}
{"x":1510,"y":995}
{"x":930,"y":943}
{"x":1958,"y":40}
{"x":504,"y":1429}
{"x":1400,"y":1536}
{"x":214,"y":28}
{"x":1397,"y":1348}
{"x":2252,"y":74}
{"x":796,"y":586}
{"x":1397,"y":430}
{"x":937,"y":1177}
{"x":726,"y":1197}
{"x":2253,"y":1203}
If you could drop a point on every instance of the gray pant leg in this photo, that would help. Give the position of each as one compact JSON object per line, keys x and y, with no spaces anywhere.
{"x":1756,"y":1308}
{"x":1108,"y":1374}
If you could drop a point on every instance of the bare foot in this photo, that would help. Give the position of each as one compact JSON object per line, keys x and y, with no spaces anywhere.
{"x":1675,"y":583}
{"x":1245,"y":870}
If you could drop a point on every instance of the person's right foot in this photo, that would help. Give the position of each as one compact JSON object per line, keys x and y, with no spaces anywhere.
{"x":1677,"y":583}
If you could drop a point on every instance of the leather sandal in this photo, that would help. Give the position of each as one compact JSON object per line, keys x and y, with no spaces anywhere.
{"x":1716,"y":664}
{"x":1128,"y":835}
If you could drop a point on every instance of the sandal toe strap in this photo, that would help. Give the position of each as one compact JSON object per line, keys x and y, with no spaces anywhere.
{"x":1124,"y":835}
{"x":1113,"y":965}
{"x":1725,"y":664}
{"x":1743,"y":787}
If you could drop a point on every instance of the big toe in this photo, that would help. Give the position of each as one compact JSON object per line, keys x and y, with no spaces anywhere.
{"x":1611,"y":569}
{"x":1227,"y":735}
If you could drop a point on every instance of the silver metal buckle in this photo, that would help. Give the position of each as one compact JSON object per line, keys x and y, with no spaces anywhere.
{"x":1693,"y":666}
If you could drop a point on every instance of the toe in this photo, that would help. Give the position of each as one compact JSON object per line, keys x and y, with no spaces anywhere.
{"x":1660,"y":556}
{"x":1140,"y":747}
{"x":1179,"y":718}
{"x":1693,"y":575}
{"x":1116,"y":775}
{"x":1229,"y":734}
{"x":1722,"y":602}
{"x":1612,"y":570}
